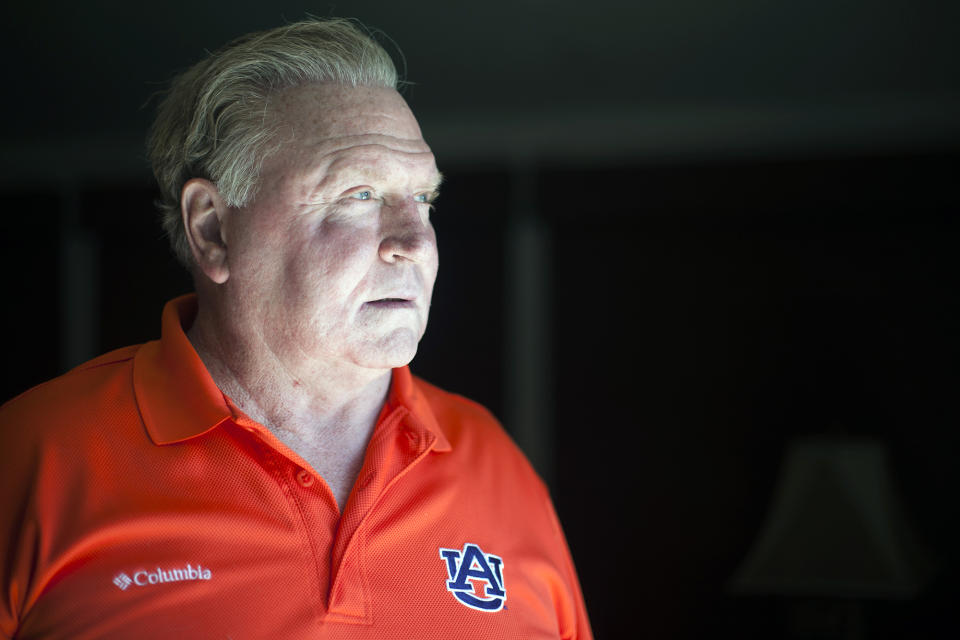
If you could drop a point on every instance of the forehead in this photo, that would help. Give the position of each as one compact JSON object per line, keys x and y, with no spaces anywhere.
{"x":327,"y":127}
{"x":316,"y":113}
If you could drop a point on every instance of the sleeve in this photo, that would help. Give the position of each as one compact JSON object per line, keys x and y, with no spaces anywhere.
{"x":18,"y":537}
{"x":572,"y":616}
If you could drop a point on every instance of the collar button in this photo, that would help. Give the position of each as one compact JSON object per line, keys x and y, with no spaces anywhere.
{"x":304,"y":478}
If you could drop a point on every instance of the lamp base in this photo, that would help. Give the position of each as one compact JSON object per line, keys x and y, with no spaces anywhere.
{"x":823,"y":619}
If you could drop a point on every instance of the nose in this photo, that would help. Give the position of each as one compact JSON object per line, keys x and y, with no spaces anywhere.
{"x":407,"y":233}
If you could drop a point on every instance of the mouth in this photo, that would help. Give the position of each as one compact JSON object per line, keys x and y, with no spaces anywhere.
{"x":392,"y":303}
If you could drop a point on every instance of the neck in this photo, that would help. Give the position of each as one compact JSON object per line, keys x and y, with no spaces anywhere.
{"x":320,"y":401}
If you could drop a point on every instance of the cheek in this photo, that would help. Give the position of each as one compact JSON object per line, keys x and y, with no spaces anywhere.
{"x":258,"y":248}
{"x":331,"y":263}
{"x":433,"y":265}
{"x":432,"y":277}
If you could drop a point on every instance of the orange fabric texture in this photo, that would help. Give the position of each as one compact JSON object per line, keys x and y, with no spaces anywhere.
{"x":139,"y":502}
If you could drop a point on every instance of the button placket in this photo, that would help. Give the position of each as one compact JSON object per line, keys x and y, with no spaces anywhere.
{"x":310,"y":517}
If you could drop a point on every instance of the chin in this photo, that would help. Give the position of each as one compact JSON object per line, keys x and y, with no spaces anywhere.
{"x":394,"y":350}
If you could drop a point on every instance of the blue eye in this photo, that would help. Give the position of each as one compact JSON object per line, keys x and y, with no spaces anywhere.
{"x":362,"y":195}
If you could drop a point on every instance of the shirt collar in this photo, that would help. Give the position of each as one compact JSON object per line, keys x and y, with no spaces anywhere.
{"x":178,"y":400}
{"x":406,"y":394}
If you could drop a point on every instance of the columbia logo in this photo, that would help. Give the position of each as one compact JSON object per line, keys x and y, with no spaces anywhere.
{"x":142,"y":577}
{"x":122,"y":581}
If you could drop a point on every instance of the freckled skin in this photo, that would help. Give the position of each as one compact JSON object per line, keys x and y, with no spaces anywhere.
{"x":308,"y":256}
{"x":328,"y":274}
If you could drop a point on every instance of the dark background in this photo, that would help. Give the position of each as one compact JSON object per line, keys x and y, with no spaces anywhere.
{"x":675,"y":235}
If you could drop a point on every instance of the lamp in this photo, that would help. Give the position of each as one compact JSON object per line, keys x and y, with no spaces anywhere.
{"x":835,"y":530}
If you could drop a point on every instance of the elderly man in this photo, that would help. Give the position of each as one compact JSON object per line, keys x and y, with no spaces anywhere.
{"x":269,"y":468}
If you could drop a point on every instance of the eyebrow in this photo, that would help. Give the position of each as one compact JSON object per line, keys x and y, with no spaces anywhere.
{"x":371,"y":171}
{"x":432,"y":185}
{"x":437,"y":182}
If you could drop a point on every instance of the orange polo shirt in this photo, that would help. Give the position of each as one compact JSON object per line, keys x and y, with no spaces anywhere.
{"x":138,"y":502}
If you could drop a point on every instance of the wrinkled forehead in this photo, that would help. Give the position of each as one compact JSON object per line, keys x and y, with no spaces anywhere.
{"x":315,"y":113}
{"x":378,"y":164}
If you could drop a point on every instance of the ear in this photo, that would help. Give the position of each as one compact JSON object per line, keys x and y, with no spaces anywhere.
{"x":204,"y":211}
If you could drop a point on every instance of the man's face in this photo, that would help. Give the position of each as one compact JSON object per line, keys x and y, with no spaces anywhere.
{"x":334,"y":261}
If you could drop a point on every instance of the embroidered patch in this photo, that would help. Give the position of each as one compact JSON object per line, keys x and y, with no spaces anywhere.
{"x":476,"y":578}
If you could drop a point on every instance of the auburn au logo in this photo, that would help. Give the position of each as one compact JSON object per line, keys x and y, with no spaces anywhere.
{"x":476,"y":578}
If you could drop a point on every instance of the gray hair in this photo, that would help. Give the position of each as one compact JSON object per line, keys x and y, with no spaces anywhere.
{"x":212,"y":123}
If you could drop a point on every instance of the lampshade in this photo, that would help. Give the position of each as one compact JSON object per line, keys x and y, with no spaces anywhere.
{"x":835,"y":529}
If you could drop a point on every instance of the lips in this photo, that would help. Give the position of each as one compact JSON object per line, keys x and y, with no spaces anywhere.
{"x":393,"y":303}
{"x":404,"y":294}
{"x":393,"y":300}
{"x":396,"y":295}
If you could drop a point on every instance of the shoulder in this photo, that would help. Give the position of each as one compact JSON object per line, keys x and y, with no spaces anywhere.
{"x":454,"y":406}
{"x":461,"y":418}
{"x":477,"y":438}
{"x":77,"y":380}
{"x":101,"y":385}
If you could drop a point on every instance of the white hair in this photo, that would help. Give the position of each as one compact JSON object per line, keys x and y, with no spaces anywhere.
{"x":213,"y":122}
